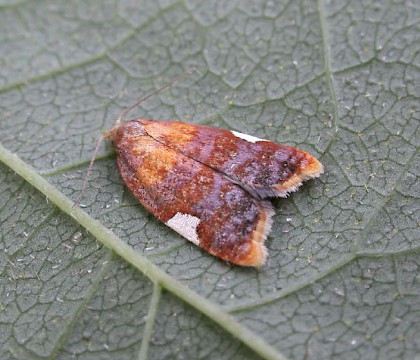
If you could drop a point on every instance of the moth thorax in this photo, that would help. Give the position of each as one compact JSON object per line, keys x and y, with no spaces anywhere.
{"x":130,"y":129}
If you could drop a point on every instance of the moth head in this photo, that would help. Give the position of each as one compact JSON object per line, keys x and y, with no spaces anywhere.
{"x":120,"y":127}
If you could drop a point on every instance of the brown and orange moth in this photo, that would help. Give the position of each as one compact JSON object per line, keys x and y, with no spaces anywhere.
{"x":209,"y":185}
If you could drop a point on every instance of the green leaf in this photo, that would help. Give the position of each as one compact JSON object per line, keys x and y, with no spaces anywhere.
{"x":339,"y":79}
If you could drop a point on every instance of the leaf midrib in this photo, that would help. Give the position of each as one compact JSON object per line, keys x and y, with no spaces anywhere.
{"x":155,"y":274}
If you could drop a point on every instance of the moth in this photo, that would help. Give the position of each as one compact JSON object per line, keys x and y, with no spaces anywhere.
{"x":208,"y":184}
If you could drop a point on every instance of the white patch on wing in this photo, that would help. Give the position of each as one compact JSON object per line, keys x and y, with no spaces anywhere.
{"x":247,"y":137}
{"x":185,"y":225}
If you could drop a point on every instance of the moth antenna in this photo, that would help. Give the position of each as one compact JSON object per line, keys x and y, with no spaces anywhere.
{"x":89,"y":171}
{"x":118,"y":123}
{"x":149,"y":95}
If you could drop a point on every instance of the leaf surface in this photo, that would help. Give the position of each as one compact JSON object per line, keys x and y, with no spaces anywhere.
{"x":338,"y":79}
